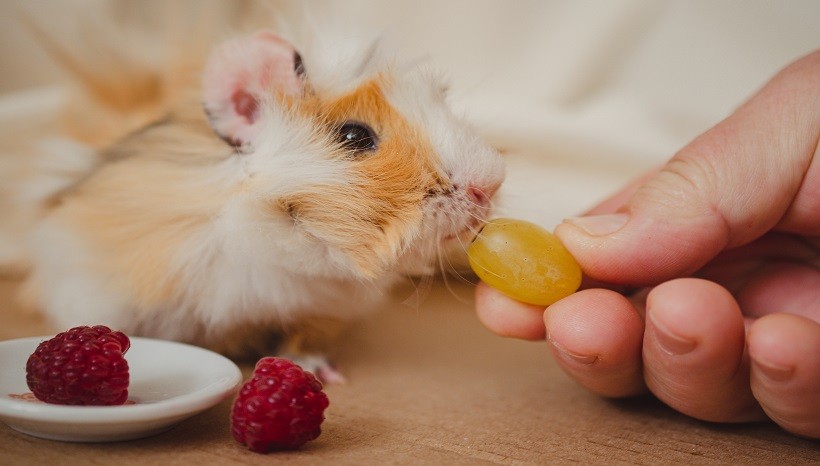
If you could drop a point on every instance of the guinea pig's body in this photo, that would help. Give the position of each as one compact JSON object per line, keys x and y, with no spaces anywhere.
{"x":284,"y":196}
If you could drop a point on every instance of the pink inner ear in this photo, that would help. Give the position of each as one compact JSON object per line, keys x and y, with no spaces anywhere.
{"x":239,"y":77}
{"x":245,"y":105}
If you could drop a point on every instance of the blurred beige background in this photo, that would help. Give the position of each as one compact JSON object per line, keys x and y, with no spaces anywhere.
{"x":583,"y":94}
{"x":24,"y":63}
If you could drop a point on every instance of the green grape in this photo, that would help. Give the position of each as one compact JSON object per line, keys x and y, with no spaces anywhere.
{"x":524,"y":261}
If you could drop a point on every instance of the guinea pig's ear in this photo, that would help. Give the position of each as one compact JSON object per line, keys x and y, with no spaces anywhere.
{"x":237,"y":76}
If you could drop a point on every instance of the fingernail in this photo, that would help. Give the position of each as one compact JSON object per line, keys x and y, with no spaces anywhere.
{"x":571,"y":355}
{"x":599,"y":225}
{"x":672,"y":343}
{"x":774,"y":371}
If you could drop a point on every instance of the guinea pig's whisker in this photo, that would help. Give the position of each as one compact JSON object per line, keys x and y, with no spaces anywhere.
{"x":454,"y":269}
{"x":425,"y":286}
{"x":481,"y":219}
{"x":453,"y":272}
{"x":476,"y":231}
{"x":421,"y":288}
{"x":458,"y":275}
{"x":461,"y":240}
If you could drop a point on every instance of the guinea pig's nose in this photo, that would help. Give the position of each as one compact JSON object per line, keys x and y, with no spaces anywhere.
{"x":481,"y":194}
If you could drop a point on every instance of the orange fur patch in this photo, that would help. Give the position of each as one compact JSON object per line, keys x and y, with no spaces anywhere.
{"x":372,"y":218}
{"x":137,"y":211}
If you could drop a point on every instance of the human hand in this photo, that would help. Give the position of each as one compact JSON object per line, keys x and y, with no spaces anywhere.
{"x":720,"y":250}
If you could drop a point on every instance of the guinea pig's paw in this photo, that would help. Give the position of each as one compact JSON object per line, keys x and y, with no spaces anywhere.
{"x":319,"y":365}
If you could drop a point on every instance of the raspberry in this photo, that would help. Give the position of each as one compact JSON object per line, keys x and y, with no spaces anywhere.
{"x":280,"y":408}
{"x":81,"y":366}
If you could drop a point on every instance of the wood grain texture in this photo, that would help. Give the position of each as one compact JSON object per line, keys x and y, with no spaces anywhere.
{"x":428,"y":385}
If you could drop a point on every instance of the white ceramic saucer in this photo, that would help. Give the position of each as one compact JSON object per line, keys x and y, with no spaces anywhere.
{"x":169,"y":382}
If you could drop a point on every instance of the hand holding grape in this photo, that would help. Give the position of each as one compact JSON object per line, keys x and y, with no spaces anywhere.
{"x":723,"y":247}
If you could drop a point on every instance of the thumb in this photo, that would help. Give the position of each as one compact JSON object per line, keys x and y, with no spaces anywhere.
{"x":751,"y":173}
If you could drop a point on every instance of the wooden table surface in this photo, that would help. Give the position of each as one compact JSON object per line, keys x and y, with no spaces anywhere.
{"x":428,"y":385}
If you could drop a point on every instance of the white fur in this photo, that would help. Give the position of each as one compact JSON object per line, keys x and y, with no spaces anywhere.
{"x":240,"y":267}
{"x":69,"y":290}
{"x":468,"y":162}
{"x":419,"y":96}
{"x":245,"y":266}
{"x":29,"y":180}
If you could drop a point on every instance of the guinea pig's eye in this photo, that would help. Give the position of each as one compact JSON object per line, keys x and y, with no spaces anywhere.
{"x":356,"y":137}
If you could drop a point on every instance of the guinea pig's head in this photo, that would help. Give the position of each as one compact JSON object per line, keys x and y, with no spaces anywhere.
{"x":358,"y":155}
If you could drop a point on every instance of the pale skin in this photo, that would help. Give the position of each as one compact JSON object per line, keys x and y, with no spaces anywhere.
{"x":703,"y":276}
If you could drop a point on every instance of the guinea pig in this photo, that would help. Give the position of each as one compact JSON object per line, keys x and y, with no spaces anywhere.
{"x":283,"y":197}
